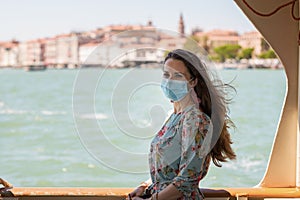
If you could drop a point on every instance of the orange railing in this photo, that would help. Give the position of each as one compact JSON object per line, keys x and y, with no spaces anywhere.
{"x":120,"y":193}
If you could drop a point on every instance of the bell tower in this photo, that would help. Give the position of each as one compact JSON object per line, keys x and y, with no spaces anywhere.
{"x":181,"y":26}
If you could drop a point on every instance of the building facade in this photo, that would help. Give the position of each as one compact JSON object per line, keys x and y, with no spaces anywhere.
{"x":254,"y":40}
{"x":9,"y":54}
{"x":103,"y":46}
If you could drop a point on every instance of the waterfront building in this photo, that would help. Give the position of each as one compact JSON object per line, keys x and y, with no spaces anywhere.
{"x":22,"y":54}
{"x":125,"y":49}
{"x":212,"y":39}
{"x":254,"y":40}
{"x":144,"y":45}
{"x":137,"y":55}
{"x":171,"y":43}
{"x":93,"y":36}
{"x":67,"y":50}
{"x":9,"y":54}
{"x":50,"y":52}
{"x":88,"y":55}
{"x":31,"y":53}
{"x":126,"y":43}
{"x":215,"y":38}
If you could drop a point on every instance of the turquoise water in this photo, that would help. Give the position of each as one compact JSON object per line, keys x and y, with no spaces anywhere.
{"x":92,"y":128}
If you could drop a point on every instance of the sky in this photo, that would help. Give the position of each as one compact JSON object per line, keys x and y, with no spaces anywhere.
{"x":32,"y":19}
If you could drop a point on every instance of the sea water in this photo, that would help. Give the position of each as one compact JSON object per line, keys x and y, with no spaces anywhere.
{"x":92,"y":127}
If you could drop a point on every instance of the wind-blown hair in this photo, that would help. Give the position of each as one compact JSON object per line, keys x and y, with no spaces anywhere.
{"x":212,"y":94}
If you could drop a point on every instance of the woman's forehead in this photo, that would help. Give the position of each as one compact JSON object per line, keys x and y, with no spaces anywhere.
{"x":174,"y":65}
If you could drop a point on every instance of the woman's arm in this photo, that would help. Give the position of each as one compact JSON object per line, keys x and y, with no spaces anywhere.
{"x":193,"y":162}
{"x":195,"y":130}
{"x":169,"y":193}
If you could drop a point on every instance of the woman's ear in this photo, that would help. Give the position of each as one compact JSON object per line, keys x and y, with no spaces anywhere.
{"x":193,"y":82}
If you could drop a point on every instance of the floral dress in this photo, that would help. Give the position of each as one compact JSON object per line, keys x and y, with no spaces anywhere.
{"x":178,"y":153}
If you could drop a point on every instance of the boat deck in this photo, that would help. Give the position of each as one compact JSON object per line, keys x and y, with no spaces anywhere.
{"x":120,"y":193}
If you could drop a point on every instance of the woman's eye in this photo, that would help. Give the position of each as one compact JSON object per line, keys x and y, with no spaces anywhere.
{"x":178,"y":76}
{"x":166,"y":75}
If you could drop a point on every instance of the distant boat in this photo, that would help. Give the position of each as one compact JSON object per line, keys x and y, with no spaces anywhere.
{"x":35,"y":68}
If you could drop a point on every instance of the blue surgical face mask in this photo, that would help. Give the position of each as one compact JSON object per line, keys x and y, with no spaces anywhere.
{"x":174,"y":89}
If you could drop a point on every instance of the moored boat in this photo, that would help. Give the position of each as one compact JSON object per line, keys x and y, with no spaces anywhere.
{"x":35,"y":68}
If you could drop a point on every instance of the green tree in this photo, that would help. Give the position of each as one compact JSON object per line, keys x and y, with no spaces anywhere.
{"x":227,"y":51}
{"x":246,"y":53}
{"x":166,"y":53}
{"x":268,"y":54}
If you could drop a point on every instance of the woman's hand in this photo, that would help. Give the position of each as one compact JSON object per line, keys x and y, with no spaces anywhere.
{"x":135,"y":193}
{"x":5,"y":183}
{"x":139,"y":198}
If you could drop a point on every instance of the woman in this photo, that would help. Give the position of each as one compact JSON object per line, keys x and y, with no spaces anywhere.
{"x":195,"y":133}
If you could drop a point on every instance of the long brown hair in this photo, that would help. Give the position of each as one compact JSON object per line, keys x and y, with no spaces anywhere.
{"x":221,"y":151}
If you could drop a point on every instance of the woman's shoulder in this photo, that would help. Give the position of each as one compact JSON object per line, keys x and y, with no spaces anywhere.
{"x":195,"y":114}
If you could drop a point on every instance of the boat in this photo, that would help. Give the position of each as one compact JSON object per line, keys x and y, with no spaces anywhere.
{"x":276,"y":20}
{"x":35,"y":68}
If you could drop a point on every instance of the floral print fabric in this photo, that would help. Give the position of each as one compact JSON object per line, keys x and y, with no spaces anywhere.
{"x":178,"y":152}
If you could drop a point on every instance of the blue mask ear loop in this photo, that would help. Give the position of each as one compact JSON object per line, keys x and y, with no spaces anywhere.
{"x":194,"y":95}
{"x":191,"y":79}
